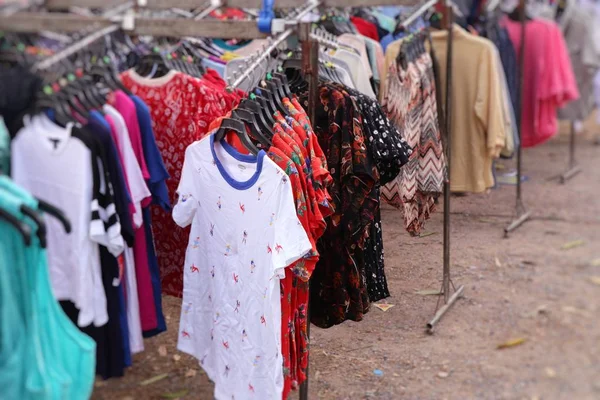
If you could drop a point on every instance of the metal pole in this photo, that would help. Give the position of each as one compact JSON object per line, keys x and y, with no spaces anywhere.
{"x":574,"y":169}
{"x":522,"y":213}
{"x":310,"y":69}
{"x":447,"y":280}
{"x":448,"y":129}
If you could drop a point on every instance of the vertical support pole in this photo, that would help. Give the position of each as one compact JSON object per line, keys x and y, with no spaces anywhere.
{"x":574,"y":169}
{"x":310,"y":70}
{"x":448,"y":128}
{"x":522,"y":213}
{"x":449,"y":300}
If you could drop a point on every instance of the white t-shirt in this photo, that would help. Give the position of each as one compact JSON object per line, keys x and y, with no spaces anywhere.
{"x":61,"y":169}
{"x":135,"y":179}
{"x":244,"y":233}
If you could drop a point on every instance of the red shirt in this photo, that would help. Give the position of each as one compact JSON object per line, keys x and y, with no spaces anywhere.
{"x":365,"y":28}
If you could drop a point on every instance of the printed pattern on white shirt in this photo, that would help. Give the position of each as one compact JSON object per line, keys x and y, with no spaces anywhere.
{"x":244,"y":233}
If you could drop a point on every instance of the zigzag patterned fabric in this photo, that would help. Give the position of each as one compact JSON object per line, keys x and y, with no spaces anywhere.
{"x":410,"y":103}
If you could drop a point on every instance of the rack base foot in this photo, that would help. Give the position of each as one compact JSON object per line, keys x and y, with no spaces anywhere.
{"x":438,"y":316}
{"x":517,"y":223}
{"x":571,"y":172}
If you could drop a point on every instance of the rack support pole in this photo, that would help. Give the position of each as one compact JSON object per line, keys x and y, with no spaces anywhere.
{"x":574,"y":169}
{"x":449,"y":300}
{"x":310,"y":69}
{"x":522,"y":213}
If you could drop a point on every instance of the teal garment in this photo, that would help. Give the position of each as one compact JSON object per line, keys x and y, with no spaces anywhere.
{"x":4,"y":149}
{"x":65,"y":357}
{"x":385,"y":21}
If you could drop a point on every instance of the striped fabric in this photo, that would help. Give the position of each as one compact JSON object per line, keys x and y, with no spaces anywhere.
{"x":410,"y":103}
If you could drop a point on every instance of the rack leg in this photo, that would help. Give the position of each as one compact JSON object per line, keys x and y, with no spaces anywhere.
{"x":449,"y":300}
{"x":522,"y":214}
{"x":574,"y":169}
{"x":442,"y":311}
{"x":310,"y":68}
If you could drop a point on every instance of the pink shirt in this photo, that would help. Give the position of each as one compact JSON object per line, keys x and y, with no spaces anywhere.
{"x":549,"y":82}
{"x":126,"y":108}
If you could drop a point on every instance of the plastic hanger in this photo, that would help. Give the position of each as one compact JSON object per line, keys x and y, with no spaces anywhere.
{"x":39,"y":221}
{"x":250,"y":120}
{"x":252,"y":106}
{"x":265,"y":110}
{"x":56,"y":213}
{"x":22,"y":227}
{"x":237,"y":126}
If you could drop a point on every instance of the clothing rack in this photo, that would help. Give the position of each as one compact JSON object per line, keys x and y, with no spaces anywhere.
{"x":35,"y":22}
{"x":521,"y":211}
{"x":449,"y":300}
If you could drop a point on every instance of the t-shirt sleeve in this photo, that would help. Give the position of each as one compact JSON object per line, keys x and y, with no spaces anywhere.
{"x":291,"y":240}
{"x":105,"y":227}
{"x":185,"y":208}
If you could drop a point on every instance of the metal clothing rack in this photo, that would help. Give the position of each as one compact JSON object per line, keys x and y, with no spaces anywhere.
{"x":449,"y":300}
{"x":35,"y":22}
{"x":523,"y":215}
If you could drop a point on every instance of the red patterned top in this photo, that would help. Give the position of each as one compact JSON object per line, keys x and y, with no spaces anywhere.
{"x":182,"y":108}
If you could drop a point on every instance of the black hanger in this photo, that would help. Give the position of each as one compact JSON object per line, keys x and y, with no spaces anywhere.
{"x":249,"y":118}
{"x":255,"y":108}
{"x":265,"y":109}
{"x":22,"y":227}
{"x":237,"y":126}
{"x":277,"y":100}
{"x":39,"y":221}
{"x":56,"y":213}
{"x":283,"y":79}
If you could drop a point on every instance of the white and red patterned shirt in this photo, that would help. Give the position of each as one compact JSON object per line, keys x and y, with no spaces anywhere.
{"x":244,"y":232}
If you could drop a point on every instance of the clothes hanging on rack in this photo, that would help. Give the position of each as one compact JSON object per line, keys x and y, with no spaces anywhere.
{"x":409,"y":100}
{"x":244,"y":233}
{"x":545,"y":89}
{"x":182,"y":108}
{"x":43,"y":355}
{"x":339,"y":289}
{"x":479,"y":123}
{"x":579,"y":25}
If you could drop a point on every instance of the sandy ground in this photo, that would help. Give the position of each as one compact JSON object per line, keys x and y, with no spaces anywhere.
{"x":525,"y":287}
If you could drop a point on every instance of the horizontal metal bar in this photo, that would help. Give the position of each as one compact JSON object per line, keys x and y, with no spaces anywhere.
{"x":191,"y":4}
{"x":31,"y":22}
{"x":168,"y":27}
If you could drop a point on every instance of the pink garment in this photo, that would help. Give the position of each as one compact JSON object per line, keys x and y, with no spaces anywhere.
{"x":549,"y":82}
{"x":126,"y":107}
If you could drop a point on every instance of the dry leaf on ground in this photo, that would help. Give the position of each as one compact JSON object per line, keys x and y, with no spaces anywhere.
{"x":573,"y":244}
{"x":162,"y":350}
{"x":153,"y":379}
{"x":595,"y":280}
{"x":422,"y":235}
{"x":384,"y":307}
{"x":512,"y":343}
{"x":191,"y":373}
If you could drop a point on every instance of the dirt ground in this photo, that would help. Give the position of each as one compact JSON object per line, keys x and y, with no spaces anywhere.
{"x":542,"y":285}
